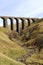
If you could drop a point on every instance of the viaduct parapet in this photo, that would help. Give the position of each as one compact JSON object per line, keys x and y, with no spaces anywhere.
{"x":17,"y":21}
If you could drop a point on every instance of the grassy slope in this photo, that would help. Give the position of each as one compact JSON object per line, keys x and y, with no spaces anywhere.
{"x":37,"y":57}
{"x":4,"y":60}
{"x":32,"y":34}
{"x":10,"y":51}
{"x":9,"y":48}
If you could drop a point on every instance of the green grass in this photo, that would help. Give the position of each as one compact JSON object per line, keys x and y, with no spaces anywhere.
{"x":10,"y":50}
{"x":4,"y":60}
{"x":35,"y":58}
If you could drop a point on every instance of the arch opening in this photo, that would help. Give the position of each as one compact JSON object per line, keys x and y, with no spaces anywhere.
{"x":2,"y":22}
{"x":23,"y":26}
{"x":17,"y":24}
{"x":10,"y":23}
{"x":14,"y":24}
{"x":28,"y":22}
{"x":20,"y":24}
{"x":33,"y":20}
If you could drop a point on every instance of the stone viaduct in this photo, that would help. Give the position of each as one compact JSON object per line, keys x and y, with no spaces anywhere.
{"x":4,"y":18}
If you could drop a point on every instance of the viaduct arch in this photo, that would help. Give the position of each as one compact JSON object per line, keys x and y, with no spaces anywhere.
{"x":17,"y":21}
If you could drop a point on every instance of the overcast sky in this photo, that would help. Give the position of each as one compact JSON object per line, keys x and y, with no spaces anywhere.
{"x":21,"y":8}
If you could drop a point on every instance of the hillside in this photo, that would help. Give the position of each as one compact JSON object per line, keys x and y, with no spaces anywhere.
{"x":9,"y":48}
{"x":23,"y":48}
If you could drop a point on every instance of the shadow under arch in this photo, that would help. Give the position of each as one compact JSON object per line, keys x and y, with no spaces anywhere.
{"x":17,"y":24}
{"x":23,"y":26}
{"x":11,"y":23}
{"x":28,"y":20}
{"x":33,"y":20}
{"x":14,"y":24}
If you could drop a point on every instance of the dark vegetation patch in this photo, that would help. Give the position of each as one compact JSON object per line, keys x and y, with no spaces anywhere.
{"x":31,"y":36}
